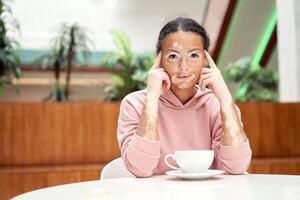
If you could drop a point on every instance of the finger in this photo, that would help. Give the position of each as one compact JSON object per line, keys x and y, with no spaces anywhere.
{"x":203,"y":78}
{"x":206,"y":70}
{"x":166,"y":81}
{"x":205,"y":83}
{"x":210,"y":60}
{"x":167,"y":85}
{"x":156,"y":64}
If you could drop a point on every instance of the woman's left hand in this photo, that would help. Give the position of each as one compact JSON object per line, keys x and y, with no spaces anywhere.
{"x":212,"y":78}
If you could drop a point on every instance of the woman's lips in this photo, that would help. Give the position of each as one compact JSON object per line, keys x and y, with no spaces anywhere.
{"x":182,"y":79}
{"x":183,"y":76}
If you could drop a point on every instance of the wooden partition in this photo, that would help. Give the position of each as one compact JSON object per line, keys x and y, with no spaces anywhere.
{"x":274,"y":134}
{"x":273,"y":128}
{"x":57,"y":133}
{"x":45,"y":144}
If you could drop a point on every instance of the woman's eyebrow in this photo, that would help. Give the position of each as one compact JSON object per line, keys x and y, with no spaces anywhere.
{"x":172,"y":50}
{"x":195,"y":49}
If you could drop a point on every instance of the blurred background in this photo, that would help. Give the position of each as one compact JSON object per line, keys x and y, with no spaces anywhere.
{"x":66,"y":64}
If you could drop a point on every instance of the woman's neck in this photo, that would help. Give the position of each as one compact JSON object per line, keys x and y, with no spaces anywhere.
{"x":184,"y":95}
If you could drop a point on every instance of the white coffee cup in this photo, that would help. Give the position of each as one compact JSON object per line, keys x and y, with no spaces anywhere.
{"x":191,"y":161}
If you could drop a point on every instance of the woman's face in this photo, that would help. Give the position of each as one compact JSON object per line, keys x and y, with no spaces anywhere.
{"x":183,"y":58}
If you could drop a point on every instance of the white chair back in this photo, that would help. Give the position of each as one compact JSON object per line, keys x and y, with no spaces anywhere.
{"x":115,"y":169}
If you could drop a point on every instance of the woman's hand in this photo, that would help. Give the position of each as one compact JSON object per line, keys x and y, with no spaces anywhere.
{"x":212,"y":78}
{"x":158,"y":79}
{"x":233,"y":132}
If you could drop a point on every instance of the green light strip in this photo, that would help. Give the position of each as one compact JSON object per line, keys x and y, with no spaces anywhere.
{"x":261,"y":47}
{"x":242,"y":91}
{"x":229,"y":35}
{"x":260,"y":51}
{"x":264,"y":41}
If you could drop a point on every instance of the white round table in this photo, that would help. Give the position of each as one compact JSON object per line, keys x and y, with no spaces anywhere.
{"x":254,"y":186}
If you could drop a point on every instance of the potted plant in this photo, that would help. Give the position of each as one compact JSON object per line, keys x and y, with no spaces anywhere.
{"x":258,"y":84}
{"x":9,"y":60}
{"x":131,"y":68}
{"x":70,"y":40}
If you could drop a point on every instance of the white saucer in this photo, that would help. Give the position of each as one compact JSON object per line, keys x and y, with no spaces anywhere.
{"x":203,"y":175}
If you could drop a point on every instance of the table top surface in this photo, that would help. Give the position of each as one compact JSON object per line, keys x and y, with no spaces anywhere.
{"x":253,"y":186}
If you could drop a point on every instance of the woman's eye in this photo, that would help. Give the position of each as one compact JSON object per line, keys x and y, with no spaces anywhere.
{"x":172,"y":56}
{"x":194,"y":55}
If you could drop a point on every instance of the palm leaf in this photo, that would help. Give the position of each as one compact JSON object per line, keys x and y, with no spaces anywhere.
{"x":122,"y":42}
{"x":118,"y":80}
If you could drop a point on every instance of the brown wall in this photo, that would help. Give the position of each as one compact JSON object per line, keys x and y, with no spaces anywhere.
{"x":57,"y":133}
{"x":273,"y":128}
{"x":45,"y":144}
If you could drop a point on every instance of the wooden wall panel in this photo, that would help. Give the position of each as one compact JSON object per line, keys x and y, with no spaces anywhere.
{"x":289,"y":166}
{"x":5,"y":132}
{"x":76,"y":132}
{"x":289,"y":128}
{"x":272,"y":128}
{"x":72,"y":141}
{"x":58,"y":133}
{"x":17,"y":180}
{"x":269,"y":141}
{"x":251,"y":122}
{"x":109,"y":120}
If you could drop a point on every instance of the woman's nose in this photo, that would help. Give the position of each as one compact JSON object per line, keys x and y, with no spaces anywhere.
{"x":183,"y":66}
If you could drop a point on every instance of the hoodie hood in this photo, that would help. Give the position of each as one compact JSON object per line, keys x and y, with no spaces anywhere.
{"x":169,"y":99}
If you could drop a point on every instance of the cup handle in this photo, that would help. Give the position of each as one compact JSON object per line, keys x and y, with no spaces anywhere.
{"x":169,"y":165}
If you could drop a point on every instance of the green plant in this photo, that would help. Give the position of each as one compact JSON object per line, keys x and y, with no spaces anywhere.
{"x":260,"y":84}
{"x":132,"y":67}
{"x":70,"y":40}
{"x":9,"y":60}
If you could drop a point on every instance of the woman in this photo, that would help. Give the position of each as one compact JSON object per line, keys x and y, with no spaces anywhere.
{"x":185,"y":106}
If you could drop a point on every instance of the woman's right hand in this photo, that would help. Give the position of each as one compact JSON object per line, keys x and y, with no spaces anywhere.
{"x":158,"y":79}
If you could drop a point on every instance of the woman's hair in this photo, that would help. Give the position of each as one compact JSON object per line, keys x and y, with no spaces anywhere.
{"x":182,"y":24}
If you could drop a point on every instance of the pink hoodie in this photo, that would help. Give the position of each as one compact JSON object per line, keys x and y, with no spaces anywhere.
{"x":194,"y":125}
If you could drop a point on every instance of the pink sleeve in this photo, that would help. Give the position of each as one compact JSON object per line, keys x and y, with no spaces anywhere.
{"x":232,"y":159}
{"x":140,"y":155}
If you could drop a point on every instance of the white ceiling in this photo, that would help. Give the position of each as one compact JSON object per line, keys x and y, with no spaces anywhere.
{"x":141,"y":19}
{"x":162,"y":7}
